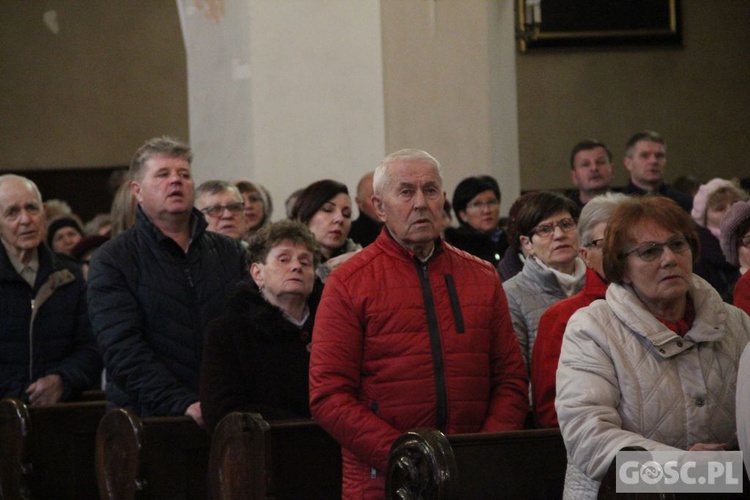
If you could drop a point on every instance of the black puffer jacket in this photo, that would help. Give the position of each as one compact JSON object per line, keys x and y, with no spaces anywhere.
{"x":487,"y":247}
{"x":60,"y":333}
{"x":149,"y":303}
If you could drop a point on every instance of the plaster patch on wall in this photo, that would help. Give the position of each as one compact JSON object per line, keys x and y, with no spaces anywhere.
{"x":212,"y":9}
{"x":50,"y":20}
{"x":240,"y":71}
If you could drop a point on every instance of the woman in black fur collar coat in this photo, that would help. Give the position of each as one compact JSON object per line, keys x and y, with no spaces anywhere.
{"x":256,"y":354}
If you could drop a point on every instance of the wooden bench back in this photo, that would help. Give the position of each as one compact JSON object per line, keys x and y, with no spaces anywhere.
{"x":424,"y":463}
{"x":50,"y":451}
{"x":157,"y":457}
{"x":255,"y":459}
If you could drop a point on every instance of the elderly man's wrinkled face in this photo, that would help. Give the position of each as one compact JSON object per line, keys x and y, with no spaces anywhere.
{"x":22,"y":221}
{"x":411,"y":204}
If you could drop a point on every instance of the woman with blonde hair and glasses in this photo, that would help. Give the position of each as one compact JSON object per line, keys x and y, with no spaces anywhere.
{"x":655,"y":364}
{"x":256,"y":206}
{"x":546,"y":228}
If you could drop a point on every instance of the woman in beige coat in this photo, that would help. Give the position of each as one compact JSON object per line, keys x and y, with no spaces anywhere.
{"x":655,"y":365}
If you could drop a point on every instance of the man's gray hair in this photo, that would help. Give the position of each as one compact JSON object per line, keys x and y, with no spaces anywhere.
{"x":29,"y":182}
{"x":382,"y":177}
{"x":216,"y":187}
{"x":599,"y":209}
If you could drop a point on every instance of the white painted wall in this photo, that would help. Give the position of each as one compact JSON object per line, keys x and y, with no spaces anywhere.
{"x":284,"y":92}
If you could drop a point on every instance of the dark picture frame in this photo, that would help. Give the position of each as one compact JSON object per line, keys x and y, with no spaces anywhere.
{"x":571,"y":23}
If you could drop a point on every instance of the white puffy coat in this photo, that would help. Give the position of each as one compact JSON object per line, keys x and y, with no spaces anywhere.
{"x":625,"y":379}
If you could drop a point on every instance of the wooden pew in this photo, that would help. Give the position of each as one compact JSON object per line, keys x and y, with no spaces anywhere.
{"x":155,"y":457}
{"x":425,"y":463}
{"x":48,"y":452}
{"x":255,"y":459}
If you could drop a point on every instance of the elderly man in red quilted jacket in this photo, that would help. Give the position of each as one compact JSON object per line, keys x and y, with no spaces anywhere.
{"x":411,"y":332}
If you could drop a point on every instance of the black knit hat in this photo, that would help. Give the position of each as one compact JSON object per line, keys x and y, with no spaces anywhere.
{"x":468,"y":188}
{"x":60,"y":223}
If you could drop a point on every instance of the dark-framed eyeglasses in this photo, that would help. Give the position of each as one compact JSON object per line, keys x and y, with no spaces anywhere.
{"x":652,"y":250}
{"x":597,"y":243}
{"x":546,"y":230}
{"x":475,"y":206}
{"x":217,"y":210}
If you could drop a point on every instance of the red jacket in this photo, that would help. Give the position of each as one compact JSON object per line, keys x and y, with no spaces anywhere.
{"x":400,"y":344}
{"x":742,"y":293}
{"x":549,"y":339}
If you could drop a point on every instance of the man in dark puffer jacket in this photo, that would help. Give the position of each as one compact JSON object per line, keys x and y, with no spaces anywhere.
{"x":153,"y":289}
{"x":47,"y":351}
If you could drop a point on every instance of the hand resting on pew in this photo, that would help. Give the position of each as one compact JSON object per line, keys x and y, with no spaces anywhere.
{"x":194,"y":411}
{"x":46,"y":390}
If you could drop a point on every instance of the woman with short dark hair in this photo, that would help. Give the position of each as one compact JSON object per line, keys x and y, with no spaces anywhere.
{"x":655,"y":364}
{"x":476,"y":203}
{"x":546,"y":228}
{"x":256,"y":354}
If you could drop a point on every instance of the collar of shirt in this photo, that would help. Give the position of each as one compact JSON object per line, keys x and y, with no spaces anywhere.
{"x":20,"y":266}
{"x":299,"y":323}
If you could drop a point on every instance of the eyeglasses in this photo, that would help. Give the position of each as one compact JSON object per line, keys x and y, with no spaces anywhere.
{"x":217,"y":210}
{"x":254,"y":198}
{"x":546,"y":230}
{"x":598,"y":243}
{"x":475,"y":206}
{"x":651,"y":251}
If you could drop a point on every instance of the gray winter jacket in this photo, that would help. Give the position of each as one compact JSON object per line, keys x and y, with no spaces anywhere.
{"x":625,"y":379}
{"x":530,"y":293}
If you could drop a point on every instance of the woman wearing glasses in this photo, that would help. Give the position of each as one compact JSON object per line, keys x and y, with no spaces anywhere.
{"x":735,"y":243}
{"x":546,"y":354}
{"x":655,"y":365}
{"x":326,"y":208}
{"x":546,"y":228}
{"x":476,"y":203}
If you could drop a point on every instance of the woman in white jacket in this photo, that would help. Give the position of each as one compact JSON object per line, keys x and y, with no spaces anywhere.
{"x":655,"y":365}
